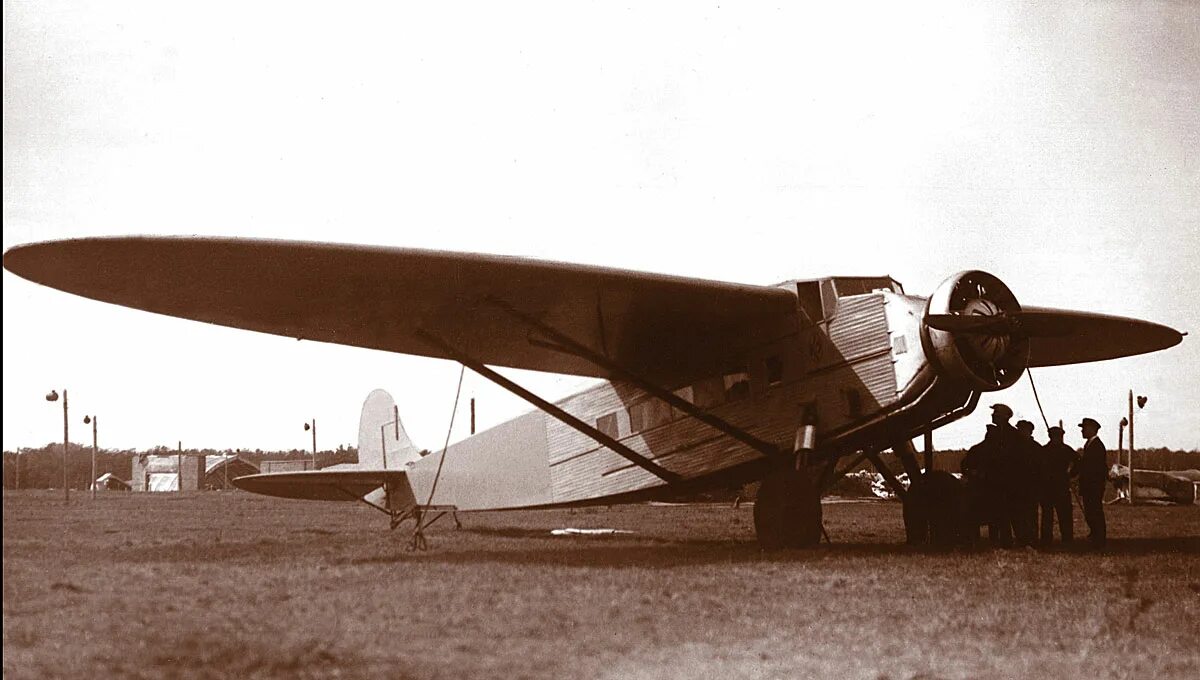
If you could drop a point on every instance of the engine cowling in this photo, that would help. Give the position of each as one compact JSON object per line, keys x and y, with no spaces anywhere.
{"x":984,"y":356}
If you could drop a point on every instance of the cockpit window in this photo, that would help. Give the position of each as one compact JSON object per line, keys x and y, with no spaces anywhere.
{"x":847,"y":286}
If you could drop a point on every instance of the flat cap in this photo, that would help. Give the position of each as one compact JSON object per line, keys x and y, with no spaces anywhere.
{"x":1002,"y":408}
{"x":1089,"y":421}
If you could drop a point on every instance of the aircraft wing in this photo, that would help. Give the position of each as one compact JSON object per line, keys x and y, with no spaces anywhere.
{"x":321,"y":485}
{"x":664,"y":327}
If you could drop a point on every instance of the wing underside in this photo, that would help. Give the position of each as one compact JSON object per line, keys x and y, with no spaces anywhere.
{"x":386,"y":298}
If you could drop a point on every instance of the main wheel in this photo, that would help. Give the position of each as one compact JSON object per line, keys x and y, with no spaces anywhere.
{"x":787,"y":511}
{"x":936,"y":511}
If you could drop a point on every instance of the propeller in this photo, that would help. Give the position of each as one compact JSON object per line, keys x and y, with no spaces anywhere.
{"x":1062,"y":336}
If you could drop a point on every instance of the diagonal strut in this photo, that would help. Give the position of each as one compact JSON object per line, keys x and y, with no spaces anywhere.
{"x":553,"y":410}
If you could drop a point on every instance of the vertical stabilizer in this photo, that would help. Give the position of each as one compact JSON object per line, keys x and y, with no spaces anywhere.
{"x":382,"y":442}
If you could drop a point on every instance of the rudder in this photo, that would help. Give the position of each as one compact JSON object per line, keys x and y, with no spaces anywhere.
{"x":382,"y":442}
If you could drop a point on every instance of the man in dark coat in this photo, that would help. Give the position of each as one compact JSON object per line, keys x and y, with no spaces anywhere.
{"x":1054,"y":466}
{"x":1025,"y":483}
{"x":1092,"y":469}
{"x":1003,"y":472}
{"x":978,"y":468}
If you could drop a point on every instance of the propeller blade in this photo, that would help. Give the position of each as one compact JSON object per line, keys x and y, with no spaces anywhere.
{"x":968,"y":323}
{"x":1061,"y":336}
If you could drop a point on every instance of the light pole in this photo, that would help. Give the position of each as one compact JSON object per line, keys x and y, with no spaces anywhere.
{"x":95,"y":421}
{"x":53,"y":396}
{"x":313,"y":427}
{"x":1141,"y":402}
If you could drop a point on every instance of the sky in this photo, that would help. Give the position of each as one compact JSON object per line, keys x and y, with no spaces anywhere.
{"x":1057,"y":147}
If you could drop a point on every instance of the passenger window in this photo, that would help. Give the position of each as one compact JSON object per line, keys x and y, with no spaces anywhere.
{"x":774,"y":371}
{"x":708,"y":392}
{"x":608,"y":425}
{"x":737,"y":384}
{"x":854,"y":406}
{"x":684,"y":393}
{"x":648,"y":414}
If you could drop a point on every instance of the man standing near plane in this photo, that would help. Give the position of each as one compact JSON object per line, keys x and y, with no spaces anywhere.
{"x":1054,"y":495}
{"x":1005,"y":472}
{"x":1025,"y":484}
{"x":978,"y":469}
{"x":1092,"y":469}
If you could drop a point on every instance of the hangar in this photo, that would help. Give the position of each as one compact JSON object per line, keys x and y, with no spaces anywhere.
{"x":187,"y":472}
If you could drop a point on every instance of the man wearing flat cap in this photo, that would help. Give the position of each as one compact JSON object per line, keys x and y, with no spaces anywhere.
{"x":1092,"y":469}
{"x":1007,"y":473}
{"x":1054,"y":474}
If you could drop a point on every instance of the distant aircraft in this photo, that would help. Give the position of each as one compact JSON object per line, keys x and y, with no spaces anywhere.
{"x":708,"y":383}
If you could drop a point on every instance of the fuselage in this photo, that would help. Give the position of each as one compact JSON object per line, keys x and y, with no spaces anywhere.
{"x":854,"y":354}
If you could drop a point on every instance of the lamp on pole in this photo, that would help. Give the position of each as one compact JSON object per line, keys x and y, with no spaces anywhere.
{"x":53,"y":396}
{"x":95,"y":421}
{"x":1141,"y":402}
{"x":313,"y":427}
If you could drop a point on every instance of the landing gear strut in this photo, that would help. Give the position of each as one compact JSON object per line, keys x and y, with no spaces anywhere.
{"x":787,"y":512}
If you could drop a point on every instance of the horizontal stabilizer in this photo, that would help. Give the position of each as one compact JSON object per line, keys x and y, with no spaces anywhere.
{"x":329,"y":485}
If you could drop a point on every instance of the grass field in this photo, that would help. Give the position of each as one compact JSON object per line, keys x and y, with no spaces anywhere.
{"x":235,"y":585}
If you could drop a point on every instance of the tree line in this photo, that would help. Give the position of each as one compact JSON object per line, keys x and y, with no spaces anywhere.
{"x":42,"y":468}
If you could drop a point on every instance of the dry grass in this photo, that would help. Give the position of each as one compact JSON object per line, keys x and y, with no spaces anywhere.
{"x":233,"y":585}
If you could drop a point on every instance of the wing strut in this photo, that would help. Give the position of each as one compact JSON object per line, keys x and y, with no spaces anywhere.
{"x":568,"y":419}
{"x":564,"y":344}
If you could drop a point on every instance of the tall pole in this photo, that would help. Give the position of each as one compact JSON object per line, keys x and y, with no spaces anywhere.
{"x":472,"y":415}
{"x":1131,"y":447}
{"x":66,"y":439}
{"x":179,"y":475}
{"x":314,"y":428}
{"x":95,"y":424}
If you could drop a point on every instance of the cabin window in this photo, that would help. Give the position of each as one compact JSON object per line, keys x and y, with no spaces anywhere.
{"x":608,"y":425}
{"x":737,"y":384}
{"x":686,"y":394}
{"x":847,"y":286}
{"x":853,"y":402}
{"x":648,"y":414}
{"x":708,"y":392}
{"x":774,"y":370}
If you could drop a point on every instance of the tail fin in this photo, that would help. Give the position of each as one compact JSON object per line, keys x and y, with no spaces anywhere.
{"x":382,"y":442}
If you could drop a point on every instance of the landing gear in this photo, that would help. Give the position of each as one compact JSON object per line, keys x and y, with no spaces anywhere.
{"x":787,"y":511}
{"x":935,"y":510}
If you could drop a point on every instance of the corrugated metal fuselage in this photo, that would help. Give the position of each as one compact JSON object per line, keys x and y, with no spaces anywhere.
{"x":854,"y":368}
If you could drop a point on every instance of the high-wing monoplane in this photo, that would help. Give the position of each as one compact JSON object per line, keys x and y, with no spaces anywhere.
{"x":706,"y":383}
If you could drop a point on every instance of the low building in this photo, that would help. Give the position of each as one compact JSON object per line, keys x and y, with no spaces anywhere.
{"x":109,"y":482}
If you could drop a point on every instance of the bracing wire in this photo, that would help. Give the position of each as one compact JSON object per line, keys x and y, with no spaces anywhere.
{"x":418,"y":541}
{"x":1045,"y":422}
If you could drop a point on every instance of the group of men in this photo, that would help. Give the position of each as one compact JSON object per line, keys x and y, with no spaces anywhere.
{"x":1010,"y":476}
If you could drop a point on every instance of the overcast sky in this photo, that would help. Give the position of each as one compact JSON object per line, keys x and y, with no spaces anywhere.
{"x":1056,"y":147}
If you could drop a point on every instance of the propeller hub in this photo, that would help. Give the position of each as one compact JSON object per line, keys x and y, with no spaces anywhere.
{"x":969,"y":332}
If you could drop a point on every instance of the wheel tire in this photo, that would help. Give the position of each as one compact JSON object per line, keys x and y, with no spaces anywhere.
{"x":787,"y":511}
{"x":936,"y":511}
{"x":916,"y":515}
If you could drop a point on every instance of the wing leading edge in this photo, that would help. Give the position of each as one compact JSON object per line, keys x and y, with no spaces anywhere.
{"x":665,"y":327}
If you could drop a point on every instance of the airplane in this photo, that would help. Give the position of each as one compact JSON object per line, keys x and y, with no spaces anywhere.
{"x":706,"y":383}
